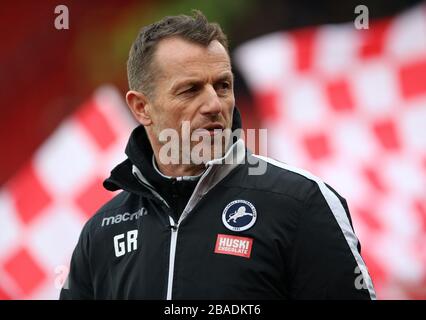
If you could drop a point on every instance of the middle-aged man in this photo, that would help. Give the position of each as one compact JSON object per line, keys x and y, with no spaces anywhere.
{"x":208,"y":224}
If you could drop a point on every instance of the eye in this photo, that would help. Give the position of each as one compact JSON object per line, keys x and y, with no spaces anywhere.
{"x":223,"y":86}
{"x":189,"y":90}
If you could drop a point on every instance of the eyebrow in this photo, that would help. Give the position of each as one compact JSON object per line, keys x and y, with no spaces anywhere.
{"x":196,"y":81}
{"x":225,"y":76}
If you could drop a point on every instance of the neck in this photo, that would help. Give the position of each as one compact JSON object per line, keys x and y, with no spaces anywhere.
{"x":179,"y":170}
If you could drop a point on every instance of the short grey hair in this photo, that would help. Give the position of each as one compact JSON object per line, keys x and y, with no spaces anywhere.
{"x":195,"y":28}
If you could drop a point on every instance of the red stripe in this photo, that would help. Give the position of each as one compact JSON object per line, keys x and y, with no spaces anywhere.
{"x":420,"y":209}
{"x":267,"y":102}
{"x":304,"y":42}
{"x":317,"y":146}
{"x":375,"y":179}
{"x":387,"y":134}
{"x":4,"y":295}
{"x":339,"y":95}
{"x":92,"y":197}
{"x":373,"y":39}
{"x":25,"y":271}
{"x":412,"y":78}
{"x":369,"y":219}
{"x":29,"y":195}
{"x":97,"y":125}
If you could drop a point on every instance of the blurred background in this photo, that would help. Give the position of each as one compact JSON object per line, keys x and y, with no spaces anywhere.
{"x":347,"y":104}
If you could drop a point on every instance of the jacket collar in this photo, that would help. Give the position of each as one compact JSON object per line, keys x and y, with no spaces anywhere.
{"x":128,"y":176}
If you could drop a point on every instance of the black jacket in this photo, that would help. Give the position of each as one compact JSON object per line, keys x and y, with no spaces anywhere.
{"x":283,"y":234}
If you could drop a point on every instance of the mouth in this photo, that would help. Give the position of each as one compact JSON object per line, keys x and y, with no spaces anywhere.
{"x":212,"y":129}
{"x":213,"y":126}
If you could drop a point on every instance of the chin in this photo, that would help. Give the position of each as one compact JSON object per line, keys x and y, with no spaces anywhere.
{"x":203,"y":153}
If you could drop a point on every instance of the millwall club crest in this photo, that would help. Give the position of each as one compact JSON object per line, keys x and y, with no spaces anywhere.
{"x":239,"y":215}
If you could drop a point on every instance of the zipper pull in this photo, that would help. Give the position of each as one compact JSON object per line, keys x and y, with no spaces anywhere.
{"x":173,"y":225}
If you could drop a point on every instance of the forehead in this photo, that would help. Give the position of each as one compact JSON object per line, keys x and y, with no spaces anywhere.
{"x":177,"y":58}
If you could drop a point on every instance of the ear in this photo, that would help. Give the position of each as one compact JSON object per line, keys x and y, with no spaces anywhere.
{"x":138,"y":104}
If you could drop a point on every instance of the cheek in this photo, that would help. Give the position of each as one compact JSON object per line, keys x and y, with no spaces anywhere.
{"x":229,"y":108}
{"x":173,"y":122}
{"x":165,"y":117}
{"x":230,"y":102}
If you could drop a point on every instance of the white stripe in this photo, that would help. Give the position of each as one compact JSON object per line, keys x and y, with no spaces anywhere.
{"x":235,"y":155}
{"x":237,"y":148}
{"x":173,"y":240}
{"x":139,"y":176}
{"x":223,"y":166}
{"x":340,"y":215}
{"x":182,"y":178}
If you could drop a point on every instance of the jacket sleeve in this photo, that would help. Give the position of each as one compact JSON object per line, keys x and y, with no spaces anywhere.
{"x":78,"y":284}
{"x":325,"y":261}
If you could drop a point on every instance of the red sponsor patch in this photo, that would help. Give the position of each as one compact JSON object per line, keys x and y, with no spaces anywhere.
{"x":233,"y":245}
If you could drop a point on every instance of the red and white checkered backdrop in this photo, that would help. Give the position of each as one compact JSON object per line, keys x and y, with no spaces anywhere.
{"x":43,"y":207}
{"x":347,"y":104}
{"x":350,"y":106}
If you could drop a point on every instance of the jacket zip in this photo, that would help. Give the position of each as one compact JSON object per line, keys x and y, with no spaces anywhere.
{"x":174,"y":227}
{"x":173,"y":240}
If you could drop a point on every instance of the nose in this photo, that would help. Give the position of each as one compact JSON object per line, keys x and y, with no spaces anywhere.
{"x":211,"y":103}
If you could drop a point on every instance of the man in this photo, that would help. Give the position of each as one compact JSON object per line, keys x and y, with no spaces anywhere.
{"x":203,"y":225}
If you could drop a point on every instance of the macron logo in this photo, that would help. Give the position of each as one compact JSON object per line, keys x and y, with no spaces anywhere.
{"x":124,"y":217}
